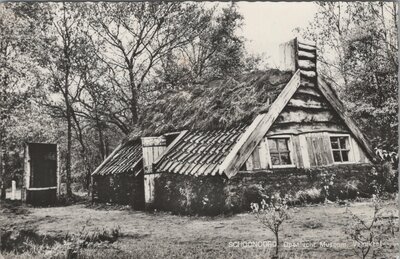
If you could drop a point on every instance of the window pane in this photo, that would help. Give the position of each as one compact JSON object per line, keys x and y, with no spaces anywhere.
{"x":342,"y":142}
{"x":272,"y":144}
{"x":275,"y":159}
{"x":334,"y":143}
{"x":336,"y":156}
{"x":345,"y":156}
{"x":285,"y":158}
{"x":282,"y":144}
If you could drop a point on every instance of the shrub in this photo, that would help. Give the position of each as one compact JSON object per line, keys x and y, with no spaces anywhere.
{"x":368,"y":236}
{"x":312,"y":195}
{"x":272,"y":215}
{"x":384,"y":179}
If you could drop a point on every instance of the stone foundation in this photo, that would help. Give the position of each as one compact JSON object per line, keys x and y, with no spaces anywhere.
{"x":124,"y":189}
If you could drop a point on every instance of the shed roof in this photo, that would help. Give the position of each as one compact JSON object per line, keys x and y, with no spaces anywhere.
{"x":200,"y":152}
{"x":126,"y":158}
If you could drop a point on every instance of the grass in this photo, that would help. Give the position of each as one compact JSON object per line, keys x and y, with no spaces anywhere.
{"x":312,"y":232}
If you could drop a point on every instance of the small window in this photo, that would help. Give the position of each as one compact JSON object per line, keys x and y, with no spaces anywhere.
{"x":279,"y":151}
{"x":340,"y":149}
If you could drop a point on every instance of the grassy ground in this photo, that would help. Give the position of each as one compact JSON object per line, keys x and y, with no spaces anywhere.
{"x":161,"y":235}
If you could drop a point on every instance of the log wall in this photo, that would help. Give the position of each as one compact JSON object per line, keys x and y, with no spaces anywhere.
{"x":309,"y":121}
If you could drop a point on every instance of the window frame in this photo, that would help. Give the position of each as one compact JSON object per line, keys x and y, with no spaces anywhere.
{"x":290,"y":149}
{"x":349,"y":150}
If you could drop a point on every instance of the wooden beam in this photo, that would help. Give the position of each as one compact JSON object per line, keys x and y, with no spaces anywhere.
{"x":305,"y":101}
{"x":301,"y":116}
{"x":309,"y":90}
{"x":42,"y":188}
{"x":257,"y":130}
{"x":333,"y":99}
{"x":296,"y":129}
{"x":304,"y":151}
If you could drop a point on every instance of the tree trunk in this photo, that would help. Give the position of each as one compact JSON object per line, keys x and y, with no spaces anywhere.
{"x":2,"y":184}
{"x":101,"y":139}
{"x":277,"y":244}
{"x":134,"y":98}
{"x":69,"y":150}
{"x":67,"y":63}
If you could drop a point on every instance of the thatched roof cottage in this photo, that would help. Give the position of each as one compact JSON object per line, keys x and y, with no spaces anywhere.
{"x":237,"y":140}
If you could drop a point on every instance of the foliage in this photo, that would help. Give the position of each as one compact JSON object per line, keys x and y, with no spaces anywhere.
{"x":18,"y":76}
{"x":29,"y":242}
{"x":271,"y":216}
{"x":384,"y":179}
{"x":327,"y":179}
{"x":216,"y":51}
{"x":131,"y":40}
{"x":369,"y":236}
{"x":358,"y":44}
{"x":79,"y":74}
{"x":183,"y":194}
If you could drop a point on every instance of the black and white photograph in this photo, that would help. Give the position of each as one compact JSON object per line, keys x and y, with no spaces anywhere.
{"x":191,"y":129}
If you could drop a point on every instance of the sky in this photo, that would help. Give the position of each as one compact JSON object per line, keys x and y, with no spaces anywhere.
{"x":267,"y":24}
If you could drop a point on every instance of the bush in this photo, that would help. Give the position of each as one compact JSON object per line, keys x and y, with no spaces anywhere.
{"x":312,"y":195}
{"x":368,"y":236}
{"x":29,"y":242}
{"x":384,"y":179}
{"x":271,"y":216}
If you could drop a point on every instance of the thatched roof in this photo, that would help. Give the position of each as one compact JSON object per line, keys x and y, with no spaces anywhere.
{"x":218,"y":109}
{"x":220,"y":104}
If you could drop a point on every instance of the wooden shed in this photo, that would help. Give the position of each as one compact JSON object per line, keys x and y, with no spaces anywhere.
{"x":41,"y":174}
{"x":119,"y":179}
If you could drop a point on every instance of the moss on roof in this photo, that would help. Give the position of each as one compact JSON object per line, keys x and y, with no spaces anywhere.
{"x":219,"y":104}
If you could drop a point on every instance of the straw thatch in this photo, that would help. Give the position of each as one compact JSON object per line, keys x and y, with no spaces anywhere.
{"x":220,"y":104}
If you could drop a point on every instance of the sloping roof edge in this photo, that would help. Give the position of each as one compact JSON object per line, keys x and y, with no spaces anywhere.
{"x":125,"y":151}
{"x":105,"y":161}
{"x":170,"y":146}
{"x":332,"y":97}
{"x":257,"y":129}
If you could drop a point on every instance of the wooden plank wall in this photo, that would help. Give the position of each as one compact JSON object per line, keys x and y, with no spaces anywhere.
{"x":318,"y":147}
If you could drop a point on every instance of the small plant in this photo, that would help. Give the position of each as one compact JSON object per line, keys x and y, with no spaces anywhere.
{"x":272,"y":215}
{"x":368,"y":236}
{"x":327,"y":184}
{"x":85,"y":239}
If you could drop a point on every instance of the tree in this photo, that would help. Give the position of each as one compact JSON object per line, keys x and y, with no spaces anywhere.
{"x":215,"y":52}
{"x":134,"y":38}
{"x":65,"y":61}
{"x":271,"y":216}
{"x":18,"y":78}
{"x":357,"y":44}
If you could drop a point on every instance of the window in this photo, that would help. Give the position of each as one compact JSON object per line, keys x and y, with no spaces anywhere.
{"x":340,"y":148}
{"x":279,"y":151}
